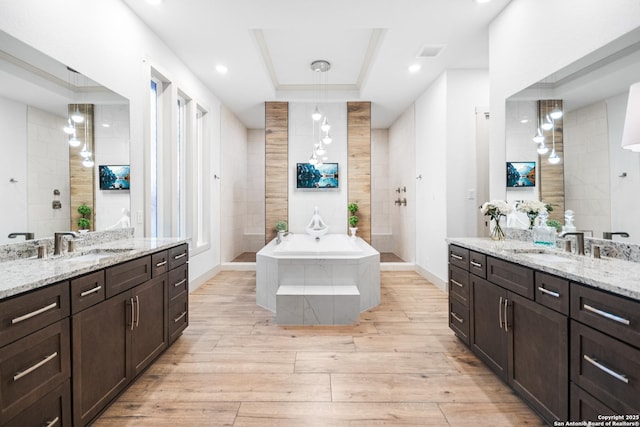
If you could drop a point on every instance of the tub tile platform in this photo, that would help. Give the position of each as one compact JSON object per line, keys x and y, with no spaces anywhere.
{"x":318,"y":285}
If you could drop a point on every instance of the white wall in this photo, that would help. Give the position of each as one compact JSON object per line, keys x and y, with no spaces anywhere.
{"x":117,"y":51}
{"x":586,"y":168}
{"x":233,"y":196}
{"x":381,"y":197}
{"x":531,"y":39}
{"x":402,"y":164}
{"x":13,"y":128}
{"x":255,"y":214}
{"x":625,"y":203}
{"x":111,"y":148}
{"x":332,"y":203}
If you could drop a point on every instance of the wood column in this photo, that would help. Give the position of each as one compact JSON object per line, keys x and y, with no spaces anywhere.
{"x":552,"y":176}
{"x":277,"y":161}
{"x":359,"y":163}
{"x":82,"y":179}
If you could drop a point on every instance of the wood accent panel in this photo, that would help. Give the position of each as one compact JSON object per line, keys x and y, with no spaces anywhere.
{"x":81,"y":179}
{"x":359,"y":163}
{"x":552,"y":176}
{"x":277,"y":157}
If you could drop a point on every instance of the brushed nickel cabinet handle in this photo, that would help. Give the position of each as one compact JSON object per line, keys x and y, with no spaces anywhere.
{"x":458,"y":318}
{"x":34,"y":313}
{"x":137,"y":310}
{"x":27,"y":371}
{"x":458,"y":257}
{"x":457,"y":283}
{"x":52,"y":422}
{"x":506,"y":321}
{"x":606,"y":369}
{"x":160,"y":264}
{"x":182,"y":255}
{"x":548,"y":292}
{"x":91,"y":291}
{"x":476,"y":264}
{"x":132,"y":314}
{"x":500,"y":313}
{"x":177,"y":319}
{"x":180,"y":283}
{"x":607,"y":315}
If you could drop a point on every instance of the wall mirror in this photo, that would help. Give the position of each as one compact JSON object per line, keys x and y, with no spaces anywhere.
{"x":36,"y":179}
{"x":601,"y":180}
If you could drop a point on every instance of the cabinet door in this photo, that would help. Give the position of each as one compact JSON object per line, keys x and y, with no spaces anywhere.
{"x":488,"y":337}
{"x":538,"y":356}
{"x":150,"y":322}
{"x":101,"y":343}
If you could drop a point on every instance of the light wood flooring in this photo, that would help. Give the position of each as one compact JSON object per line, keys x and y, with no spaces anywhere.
{"x":401,"y":365}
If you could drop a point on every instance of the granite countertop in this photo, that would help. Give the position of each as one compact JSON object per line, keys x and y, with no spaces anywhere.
{"x":25,"y":274}
{"x":610,"y":274}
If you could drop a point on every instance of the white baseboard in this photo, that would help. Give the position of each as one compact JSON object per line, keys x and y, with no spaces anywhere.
{"x":440,"y":284}
{"x":200,"y":280}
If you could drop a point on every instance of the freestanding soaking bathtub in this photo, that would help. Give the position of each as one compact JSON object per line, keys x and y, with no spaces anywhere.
{"x":325,"y":281}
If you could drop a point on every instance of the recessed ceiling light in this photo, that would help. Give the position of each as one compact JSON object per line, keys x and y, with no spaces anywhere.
{"x":154,"y":2}
{"x":524,"y":120}
{"x":482,"y":1}
{"x":222,"y":69}
{"x":414,"y":68}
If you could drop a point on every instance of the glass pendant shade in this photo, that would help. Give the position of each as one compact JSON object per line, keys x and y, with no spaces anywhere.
{"x":88,"y":162}
{"x":74,"y":141}
{"x":320,"y":150}
{"x":327,"y":139}
{"x":538,"y":138}
{"x":316,"y":114}
{"x":85,"y":152}
{"x":631,"y":130}
{"x":547,"y":124}
{"x":554,"y":159}
{"x":77,"y":117}
{"x":313,"y":160}
{"x":556,"y":113}
{"x":325,"y":126}
{"x":69,"y":129}
{"x":542,"y":149}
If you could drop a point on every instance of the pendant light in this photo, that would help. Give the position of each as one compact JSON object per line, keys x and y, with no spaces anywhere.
{"x":556,"y":113}
{"x":327,"y":139}
{"x":319,"y":68}
{"x":69,"y":129}
{"x":554,"y":159}
{"x":542,"y":149}
{"x":325,"y":126}
{"x":547,"y":124}
{"x":74,"y":141}
{"x":316,"y":114}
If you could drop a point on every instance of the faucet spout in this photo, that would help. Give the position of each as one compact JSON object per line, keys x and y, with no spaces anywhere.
{"x":579,"y":240}
{"x":27,"y":235}
{"x":609,"y":234}
{"x":57,"y":240}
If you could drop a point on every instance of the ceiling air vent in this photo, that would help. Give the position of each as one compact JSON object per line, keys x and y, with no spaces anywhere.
{"x":429,"y":51}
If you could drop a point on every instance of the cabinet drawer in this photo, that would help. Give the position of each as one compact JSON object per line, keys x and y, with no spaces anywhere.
{"x":27,"y":313}
{"x":178,"y":317}
{"x":53,"y":410}
{"x":32,"y":367}
{"x":178,"y":256}
{"x":584,"y":407}
{"x":159,"y":263}
{"x":125,"y":276}
{"x":459,"y":284}
{"x":478,"y":264}
{"x":178,"y":282}
{"x":611,"y":314}
{"x":606,"y":368}
{"x":552,"y":292}
{"x":459,"y":257}
{"x":459,"y":320}
{"x":87,"y":291}
{"x":514,"y":277}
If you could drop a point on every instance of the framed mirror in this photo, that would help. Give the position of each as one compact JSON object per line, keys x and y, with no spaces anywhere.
{"x":37,"y":180}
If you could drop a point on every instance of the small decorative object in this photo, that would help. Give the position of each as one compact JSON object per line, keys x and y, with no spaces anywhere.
{"x":543,"y":234}
{"x":496,"y":209}
{"x":317,"y":227}
{"x":568,"y":222}
{"x":83,"y":222}
{"x":533,"y":208}
{"x":281,"y":228}
{"x":555,"y":224}
{"x":353,"y":218}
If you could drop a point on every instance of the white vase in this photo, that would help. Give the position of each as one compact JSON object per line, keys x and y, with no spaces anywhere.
{"x":353,"y":230}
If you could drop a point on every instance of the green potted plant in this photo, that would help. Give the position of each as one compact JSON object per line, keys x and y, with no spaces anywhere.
{"x":353,"y":218}
{"x":281,"y":229}
{"x":84,"y":224}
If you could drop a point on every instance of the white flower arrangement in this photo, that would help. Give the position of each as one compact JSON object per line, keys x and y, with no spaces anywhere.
{"x":496,"y":208}
{"x":531,"y":206}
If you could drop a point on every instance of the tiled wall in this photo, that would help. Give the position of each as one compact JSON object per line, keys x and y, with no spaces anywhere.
{"x":381,"y":200}
{"x":254,"y":217}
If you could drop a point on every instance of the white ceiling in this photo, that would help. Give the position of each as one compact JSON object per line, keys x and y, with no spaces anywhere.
{"x":268,"y":47}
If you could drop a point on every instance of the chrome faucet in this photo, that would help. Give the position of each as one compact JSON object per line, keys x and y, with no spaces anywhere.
{"x":57,"y":240}
{"x":579,"y":240}
{"x":609,"y":234}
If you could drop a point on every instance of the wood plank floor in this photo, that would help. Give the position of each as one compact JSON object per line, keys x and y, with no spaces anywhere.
{"x":400,"y":366}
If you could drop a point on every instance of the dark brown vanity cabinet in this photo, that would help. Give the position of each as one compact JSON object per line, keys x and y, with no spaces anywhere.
{"x":522,"y":341}
{"x":35,"y":357}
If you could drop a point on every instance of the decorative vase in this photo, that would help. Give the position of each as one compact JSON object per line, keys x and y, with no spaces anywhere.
{"x":353,"y":230}
{"x":497,"y":233}
{"x":532,"y":219}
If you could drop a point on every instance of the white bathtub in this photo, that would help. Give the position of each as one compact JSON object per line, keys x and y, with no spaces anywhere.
{"x":303,"y":245}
